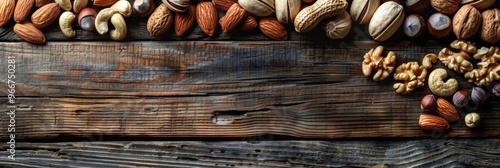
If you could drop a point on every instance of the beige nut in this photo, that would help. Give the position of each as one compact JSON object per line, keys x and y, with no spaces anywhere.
{"x":102,"y":18}
{"x":440,"y":87}
{"x":466,"y":22}
{"x":374,"y":61}
{"x":363,"y":10}
{"x":478,"y":4}
{"x":177,"y":5}
{"x":448,"y":7}
{"x":160,"y":20}
{"x":286,"y":10}
{"x":428,"y":60}
{"x":78,"y":5}
{"x":490,"y":31}
{"x":337,"y":27}
{"x":123,"y":7}
{"x":120,"y":31}
{"x":258,"y":7}
{"x":472,"y":120}
{"x":65,"y":21}
{"x":64,"y":4}
{"x":309,"y":17}
{"x":386,"y":21}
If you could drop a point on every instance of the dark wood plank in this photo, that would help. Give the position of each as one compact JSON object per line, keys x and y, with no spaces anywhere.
{"x":178,"y":89}
{"x":256,"y":153}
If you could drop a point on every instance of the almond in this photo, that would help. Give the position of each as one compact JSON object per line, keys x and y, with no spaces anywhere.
{"x":104,"y":3}
{"x":248,"y":23}
{"x":206,"y":16}
{"x":432,"y":123}
{"x":233,"y":17}
{"x":23,"y":9}
{"x":184,"y":21}
{"x":45,"y":15}
{"x":7,"y":7}
{"x":446,"y":110}
{"x":40,"y":3}
{"x":272,"y":28}
{"x":160,"y":20}
{"x":29,"y":33}
{"x":224,"y":5}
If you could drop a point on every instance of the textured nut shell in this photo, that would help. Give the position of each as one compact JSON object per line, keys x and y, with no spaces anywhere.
{"x":7,"y":7}
{"x":248,"y":23}
{"x":309,"y":17}
{"x":273,"y":29}
{"x":86,"y":12}
{"x":184,"y":21}
{"x":286,"y":10}
{"x":466,"y":22}
{"x":438,"y":86}
{"x":386,"y":21}
{"x":224,"y":5}
{"x":338,"y":27}
{"x":491,"y":26}
{"x":446,"y":110}
{"x":40,"y":3}
{"x":28,"y":32}
{"x":437,"y":27}
{"x":432,"y":123}
{"x":414,"y":26}
{"x":233,"y":17}
{"x":104,"y":3}
{"x":23,"y":9}
{"x":479,"y":4}
{"x":176,"y":5}
{"x":160,"y":20}
{"x":206,"y":16}
{"x":45,"y":15}
{"x":120,"y":31}
{"x":445,"y":6}
{"x":363,"y":10}
{"x":65,"y":21}
{"x":258,"y":7}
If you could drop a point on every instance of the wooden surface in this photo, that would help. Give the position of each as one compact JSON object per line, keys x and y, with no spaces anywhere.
{"x":295,"y":103}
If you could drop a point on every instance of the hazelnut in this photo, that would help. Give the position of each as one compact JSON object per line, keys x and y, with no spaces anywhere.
{"x":417,"y":5}
{"x":414,"y":26}
{"x":428,"y":102}
{"x":143,"y":7}
{"x":86,"y":19}
{"x":466,"y":22}
{"x":472,"y":120}
{"x":439,"y":25}
{"x":478,"y":95}
{"x":461,"y":98}
{"x":496,"y":90}
{"x":448,"y":7}
{"x":491,"y":26}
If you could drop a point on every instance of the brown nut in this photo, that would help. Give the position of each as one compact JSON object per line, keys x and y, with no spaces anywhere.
{"x":86,"y":19}
{"x":104,"y":3}
{"x":386,"y":21}
{"x":417,"y":5}
{"x":478,"y":95}
{"x":496,"y":90}
{"x":478,"y":4}
{"x":184,"y":21}
{"x":439,"y":25}
{"x":23,"y":10}
{"x":466,"y":22}
{"x":224,"y":5}
{"x":143,"y":7}
{"x":428,"y":102}
{"x":448,"y":7}
{"x":461,"y":98}
{"x":7,"y":7}
{"x":414,"y":26}
{"x":430,"y":122}
{"x":491,"y":26}
{"x":363,"y":10}
{"x":45,"y":15}
{"x":446,"y":110}
{"x":309,"y":17}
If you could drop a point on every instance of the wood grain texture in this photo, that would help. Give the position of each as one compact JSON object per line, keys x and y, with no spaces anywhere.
{"x":216,"y":89}
{"x":255,"y":153}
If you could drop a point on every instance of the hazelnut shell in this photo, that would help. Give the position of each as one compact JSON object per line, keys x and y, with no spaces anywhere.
{"x":439,"y":25}
{"x":86,"y":12}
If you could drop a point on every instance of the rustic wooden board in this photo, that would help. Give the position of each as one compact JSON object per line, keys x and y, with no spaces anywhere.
{"x":255,"y":153}
{"x":176,"y":89}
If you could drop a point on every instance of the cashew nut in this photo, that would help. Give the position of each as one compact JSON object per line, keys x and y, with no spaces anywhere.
{"x":78,"y":5}
{"x":428,"y":60}
{"x":64,"y":4}
{"x":102,"y":18}
{"x":65,"y":22}
{"x":120,"y":30}
{"x":438,"y":86}
{"x":123,"y":7}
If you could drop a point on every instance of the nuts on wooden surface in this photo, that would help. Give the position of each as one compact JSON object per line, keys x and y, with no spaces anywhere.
{"x":362,"y":10}
{"x":309,"y":17}
{"x":440,"y":87}
{"x":29,"y":33}
{"x":428,"y":60}
{"x":432,"y":123}
{"x":448,"y":7}
{"x":233,"y":17}
{"x":490,"y":31}
{"x":206,"y":16}
{"x":7,"y":7}
{"x":428,"y":103}
{"x":472,"y":120}
{"x":461,"y":98}
{"x":258,"y":7}
{"x":412,"y":75}
{"x":143,"y":7}
{"x":488,"y":68}
{"x":120,"y":27}
{"x":66,"y":4}
{"x":439,"y":25}
{"x":337,"y":27}
{"x":23,"y":9}
{"x":78,"y":5}
{"x":86,"y":19}
{"x":446,"y":110}
{"x":65,"y":21}
{"x":286,"y":10}
{"x":386,"y":21}
{"x":373,"y":60}
{"x":185,"y":20}
{"x":414,"y":26}
{"x":160,"y":20}
{"x":478,"y":4}
{"x":417,"y":5}
{"x":466,"y":22}
{"x":45,"y":15}
{"x":177,"y":5}
{"x":273,"y":29}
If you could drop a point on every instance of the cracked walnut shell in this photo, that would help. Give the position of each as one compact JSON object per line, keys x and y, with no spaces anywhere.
{"x":373,"y":60}
{"x":412,"y":75}
{"x":488,"y":69}
{"x":458,"y":61}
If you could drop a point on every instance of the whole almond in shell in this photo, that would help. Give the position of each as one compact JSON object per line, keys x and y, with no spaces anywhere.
{"x":7,"y":7}
{"x":432,"y":123}
{"x":184,"y":21}
{"x":233,"y":17}
{"x":23,"y":9}
{"x":272,"y":28}
{"x":224,"y":5}
{"x":446,"y":110}
{"x":248,"y":23}
{"x":160,"y":20}
{"x":206,"y":16}
{"x":28,"y":32}
{"x":45,"y":15}
{"x":40,"y":3}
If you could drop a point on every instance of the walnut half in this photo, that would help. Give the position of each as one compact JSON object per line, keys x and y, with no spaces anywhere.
{"x":373,"y":60}
{"x":412,"y":75}
{"x":488,"y":69}
{"x":458,"y":61}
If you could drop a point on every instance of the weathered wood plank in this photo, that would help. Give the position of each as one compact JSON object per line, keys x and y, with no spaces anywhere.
{"x":256,"y":153}
{"x":178,"y":89}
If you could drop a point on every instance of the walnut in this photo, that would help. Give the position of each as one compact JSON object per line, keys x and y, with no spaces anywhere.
{"x":373,"y":60}
{"x":488,"y":69}
{"x":458,"y":61}
{"x":428,"y":60}
{"x":412,"y":75}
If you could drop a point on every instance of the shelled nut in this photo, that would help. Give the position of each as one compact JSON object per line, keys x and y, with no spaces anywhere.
{"x":86,"y":19}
